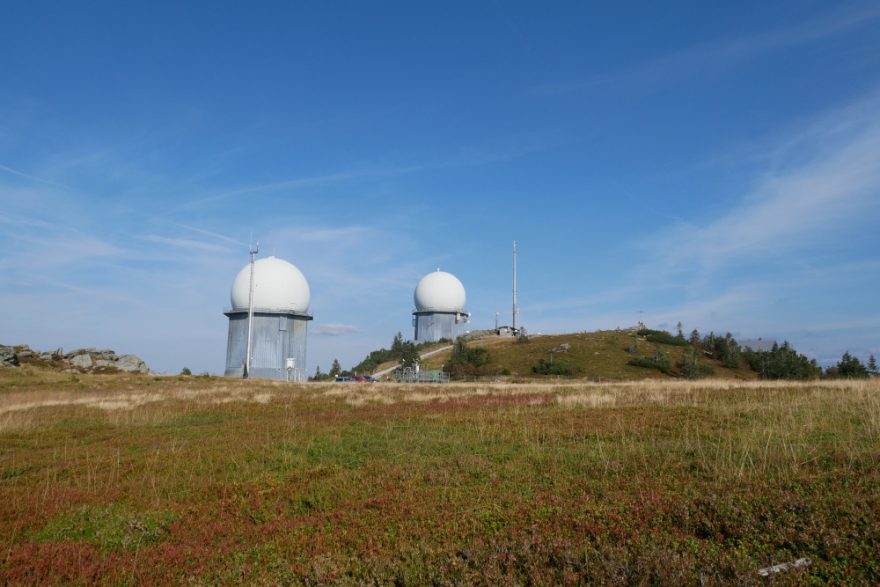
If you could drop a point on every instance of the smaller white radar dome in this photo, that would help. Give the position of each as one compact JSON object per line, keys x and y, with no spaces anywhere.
{"x":439,"y":291}
{"x":278,"y":286}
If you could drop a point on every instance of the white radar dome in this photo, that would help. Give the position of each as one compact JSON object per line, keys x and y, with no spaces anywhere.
{"x":278,"y":286}
{"x":441,"y":292}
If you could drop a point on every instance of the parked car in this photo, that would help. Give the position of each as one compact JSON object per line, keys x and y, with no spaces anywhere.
{"x":343,"y":379}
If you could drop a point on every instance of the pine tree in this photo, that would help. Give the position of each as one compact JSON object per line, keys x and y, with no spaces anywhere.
{"x":336,"y":368}
{"x":409,"y":356}
{"x":695,"y":338}
{"x":397,"y":343}
{"x":680,"y":332}
{"x":872,"y":365}
{"x":851,"y":368}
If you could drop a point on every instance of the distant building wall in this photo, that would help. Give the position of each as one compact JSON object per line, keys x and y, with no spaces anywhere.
{"x":433,"y":326}
{"x":276,"y":337}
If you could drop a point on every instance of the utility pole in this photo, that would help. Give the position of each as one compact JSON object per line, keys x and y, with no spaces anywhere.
{"x":247,"y":358}
{"x":514,"y":287}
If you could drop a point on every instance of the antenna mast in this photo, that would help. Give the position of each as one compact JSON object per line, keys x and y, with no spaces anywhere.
{"x":247,"y":359}
{"x":514,"y":287}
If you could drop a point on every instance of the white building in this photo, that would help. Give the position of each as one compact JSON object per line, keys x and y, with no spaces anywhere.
{"x":439,"y":299}
{"x":281,"y":298}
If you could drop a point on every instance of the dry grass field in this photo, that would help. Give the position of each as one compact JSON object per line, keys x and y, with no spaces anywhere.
{"x":157,"y":480}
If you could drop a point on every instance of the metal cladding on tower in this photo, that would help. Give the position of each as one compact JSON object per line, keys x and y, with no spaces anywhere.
{"x":439,"y":299}
{"x":276,"y":294}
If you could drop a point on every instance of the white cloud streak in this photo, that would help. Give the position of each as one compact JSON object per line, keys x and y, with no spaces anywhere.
{"x":335,"y":329}
{"x":793,"y":208}
{"x":725,"y":53}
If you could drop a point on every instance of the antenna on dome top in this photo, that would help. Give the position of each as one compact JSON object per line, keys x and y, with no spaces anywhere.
{"x":254,"y":249}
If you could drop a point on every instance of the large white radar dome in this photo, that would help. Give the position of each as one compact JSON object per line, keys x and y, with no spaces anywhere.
{"x":278,"y":286}
{"x":441,"y":292}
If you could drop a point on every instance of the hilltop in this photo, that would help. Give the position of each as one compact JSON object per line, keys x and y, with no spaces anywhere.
{"x":600,"y":356}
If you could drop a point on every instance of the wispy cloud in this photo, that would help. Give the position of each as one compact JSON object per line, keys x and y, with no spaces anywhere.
{"x":471,"y":155}
{"x":714,"y":56}
{"x":335,"y":329}
{"x":184,"y":243}
{"x":830,"y":191}
{"x":301,"y":183}
{"x":211,"y":233}
{"x":30,"y":177}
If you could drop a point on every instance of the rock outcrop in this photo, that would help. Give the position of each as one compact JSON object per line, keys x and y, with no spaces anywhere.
{"x":87,"y":360}
{"x":8,"y":356}
{"x":132,"y":364}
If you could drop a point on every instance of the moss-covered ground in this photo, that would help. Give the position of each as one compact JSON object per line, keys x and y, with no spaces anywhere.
{"x":119,"y":479}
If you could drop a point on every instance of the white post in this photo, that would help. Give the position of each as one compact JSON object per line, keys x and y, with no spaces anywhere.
{"x":250,"y":334}
{"x":514,"y":287}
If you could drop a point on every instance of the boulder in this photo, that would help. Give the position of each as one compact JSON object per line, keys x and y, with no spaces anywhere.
{"x":76,"y":352}
{"x":104,"y":355}
{"x":104,"y":363}
{"x":24,"y":352}
{"x":56,"y":355}
{"x":8,"y":358}
{"x":132,"y":364}
{"x":83,"y":361}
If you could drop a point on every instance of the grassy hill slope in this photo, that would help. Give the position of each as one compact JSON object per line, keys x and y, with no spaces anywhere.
{"x":601,"y":355}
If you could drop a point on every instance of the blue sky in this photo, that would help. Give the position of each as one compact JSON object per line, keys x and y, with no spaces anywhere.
{"x":717,"y":165}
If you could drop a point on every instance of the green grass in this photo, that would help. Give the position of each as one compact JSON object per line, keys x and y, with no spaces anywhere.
{"x":109,"y":527}
{"x":595,"y":356}
{"x":655,"y":482}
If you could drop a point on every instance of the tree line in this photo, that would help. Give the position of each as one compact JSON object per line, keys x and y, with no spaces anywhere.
{"x":780,"y":362}
{"x":403,"y":352}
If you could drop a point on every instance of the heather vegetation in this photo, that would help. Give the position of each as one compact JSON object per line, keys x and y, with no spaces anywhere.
{"x":633,"y":354}
{"x":117,"y":479}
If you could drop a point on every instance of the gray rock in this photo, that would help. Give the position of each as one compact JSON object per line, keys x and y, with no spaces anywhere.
{"x":104,"y":363}
{"x":83,"y":361}
{"x":105,"y":355}
{"x":56,"y":355}
{"x":8,"y":358}
{"x":132,"y":364}
{"x":76,"y":352}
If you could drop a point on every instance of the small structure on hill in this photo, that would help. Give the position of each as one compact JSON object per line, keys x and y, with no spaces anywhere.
{"x":758,"y":344}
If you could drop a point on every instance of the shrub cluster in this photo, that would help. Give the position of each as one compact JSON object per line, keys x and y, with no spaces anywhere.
{"x":659,"y":361}
{"x":690,"y":366}
{"x":782,"y":362}
{"x":662,"y":337}
{"x":469,"y":362}
{"x":850,"y":367}
{"x":722,"y":348}
{"x":561,"y":368}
